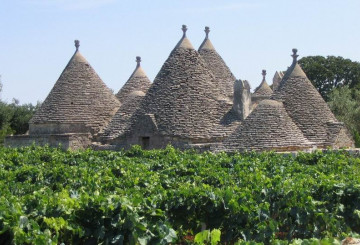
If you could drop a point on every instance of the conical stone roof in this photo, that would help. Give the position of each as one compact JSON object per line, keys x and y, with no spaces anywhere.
{"x":263,"y":89}
{"x":78,"y":97}
{"x":216,"y":64}
{"x":130,"y":95}
{"x":138,"y":81}
{"x":268,"y":127}
{"x":277,"y":79}
{"x":184,"y":99}
{"x":121,"y":121}
{"x":304,"y":104}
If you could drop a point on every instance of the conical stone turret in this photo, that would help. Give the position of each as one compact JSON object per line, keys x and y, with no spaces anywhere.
{"x":268,"y":127}
{"x":78,"y":102}
{"x":277,"y":79}
{"x":182,"y":105}
{"x":263,"y":91}
{"x":138,"y":81}
{"x":130,"y":95}
{"x":216,"y":64}
{"x":305,"y":105}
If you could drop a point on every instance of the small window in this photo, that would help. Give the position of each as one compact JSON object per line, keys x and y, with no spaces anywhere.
{"x":145,"y":142}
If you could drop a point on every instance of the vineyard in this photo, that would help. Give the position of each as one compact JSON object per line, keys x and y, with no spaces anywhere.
{"x":49,"y":196}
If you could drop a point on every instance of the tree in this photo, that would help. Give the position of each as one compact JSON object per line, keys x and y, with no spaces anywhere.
{"x":21,"y":115}
{"x":327,"y":73}
{"x":345,"y":104}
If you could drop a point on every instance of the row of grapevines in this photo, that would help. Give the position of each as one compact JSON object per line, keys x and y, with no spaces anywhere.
{"x":167,"y":196}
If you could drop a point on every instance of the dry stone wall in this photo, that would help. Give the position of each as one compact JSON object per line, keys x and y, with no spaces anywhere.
{"x":65,"y":141}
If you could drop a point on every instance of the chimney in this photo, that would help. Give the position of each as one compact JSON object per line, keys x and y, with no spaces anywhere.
{"x":242,"y":99}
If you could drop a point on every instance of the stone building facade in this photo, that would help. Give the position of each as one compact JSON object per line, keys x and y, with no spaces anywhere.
{"x":195,"y":101}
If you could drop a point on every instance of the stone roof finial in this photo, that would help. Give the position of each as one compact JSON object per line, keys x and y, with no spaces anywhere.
{"x":207,"y":30}
{"x":263,"y":74}
{"x":184,"y":29}
{"x":138,"y":61}
{"x":77,"y":44}
{"x":294,"y":55}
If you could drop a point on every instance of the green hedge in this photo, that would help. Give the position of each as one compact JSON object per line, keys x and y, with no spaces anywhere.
{"x":169,"y":196}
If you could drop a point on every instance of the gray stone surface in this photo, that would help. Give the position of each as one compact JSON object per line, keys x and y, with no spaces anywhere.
{"x":277,"y":79}
{"x":121,"y":121}
{"x":224,"y":77}
{"x":262,"y":92}
{"x":78,"y":97}
{"x":304,"y":104}
{"x":242,"y":99}
{"x":130,"y":95}
{"x":74,"y":141}
{"x":184,"y":104}
{"x":138,"y":81}
{"x":268,"y":127}
{"x":263,"y":89}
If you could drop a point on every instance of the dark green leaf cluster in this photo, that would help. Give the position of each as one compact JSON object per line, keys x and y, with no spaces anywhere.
{"x":327,"y":73}
{"x":14,"y":118}
{"x":169,"y":196}
{"x":345,"y":104}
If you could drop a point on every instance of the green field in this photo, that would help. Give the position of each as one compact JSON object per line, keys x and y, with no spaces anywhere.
{"x":49,"y":196}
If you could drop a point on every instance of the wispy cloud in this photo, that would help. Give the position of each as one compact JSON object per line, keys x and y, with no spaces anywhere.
{"x":71,"y":4}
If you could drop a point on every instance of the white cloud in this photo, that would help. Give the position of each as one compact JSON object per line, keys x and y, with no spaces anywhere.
{"x":71,"y":4}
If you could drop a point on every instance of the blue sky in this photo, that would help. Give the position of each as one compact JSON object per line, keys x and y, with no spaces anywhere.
{"x":37,"y":38}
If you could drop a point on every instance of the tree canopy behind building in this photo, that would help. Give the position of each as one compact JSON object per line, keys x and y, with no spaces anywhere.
{"x":14,"y":118}
{"x":327,"y":73}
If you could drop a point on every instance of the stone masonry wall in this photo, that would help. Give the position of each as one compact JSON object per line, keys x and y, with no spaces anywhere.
{"x":67,"y":141}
